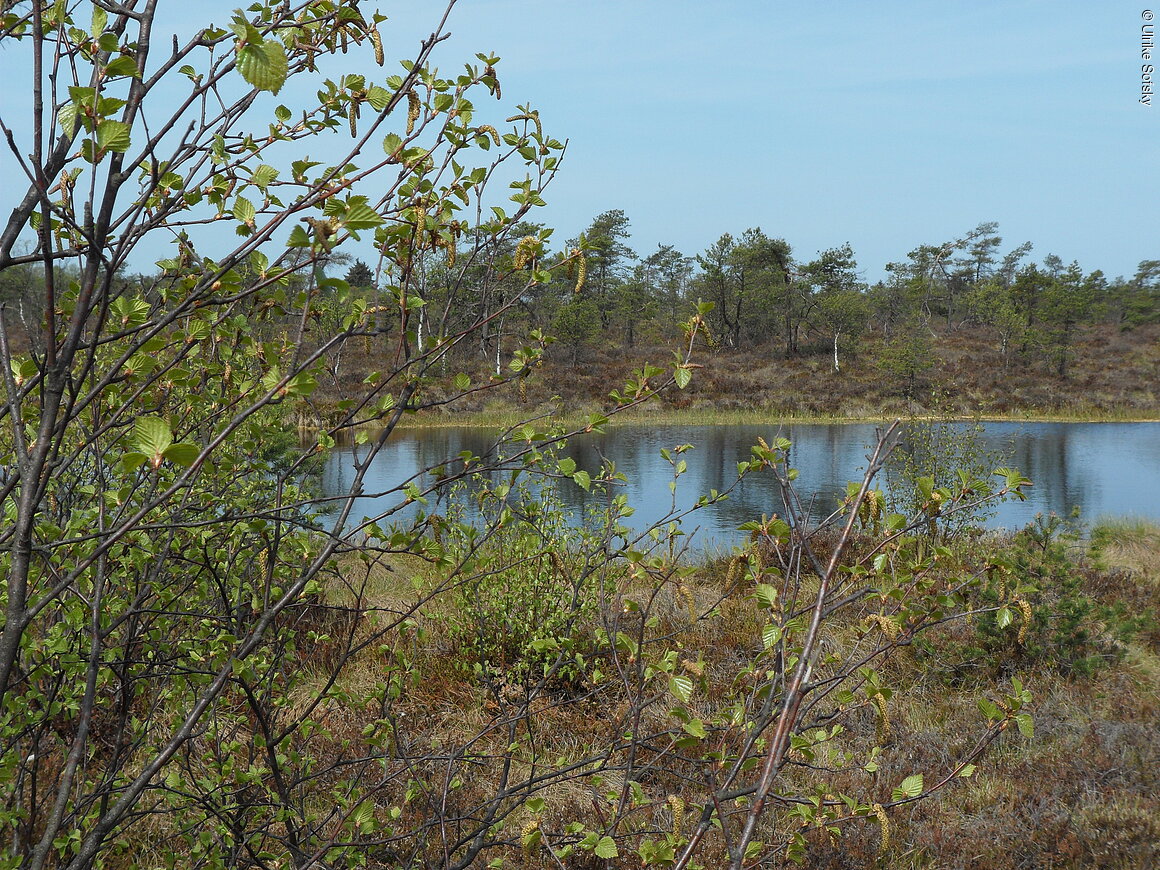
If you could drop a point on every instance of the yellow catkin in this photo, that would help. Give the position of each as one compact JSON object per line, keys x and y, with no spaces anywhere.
{"x":353,"y":120}
{"x":1025,"y":610}
{"x":677,"y":808}
{"x":528,"y":839}
{"x":413,"y":107}
{"x":489,"y":70}
{"x":888,"y":626}
{"x":581,"y":275}
{"x":697,"y":669}
{"x":690,"y":601}
{"x":883,"y":717}
{"x":377,"y":42}
{"x":884,"y":822}
{"x":523,"y":254}
{"x":490,"y":131}
{"x":450,"y":255}
{"x":731,"y":573}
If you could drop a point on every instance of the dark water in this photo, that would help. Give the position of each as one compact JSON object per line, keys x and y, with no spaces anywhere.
{"x":1103,"y":469}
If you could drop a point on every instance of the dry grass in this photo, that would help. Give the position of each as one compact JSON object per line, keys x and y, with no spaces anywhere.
{"x":1083,"y":792}
{"x":969,"y":378}
{"x":1131,"y":545}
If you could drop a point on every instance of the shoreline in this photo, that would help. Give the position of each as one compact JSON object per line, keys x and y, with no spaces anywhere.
{"x":506,"y":418}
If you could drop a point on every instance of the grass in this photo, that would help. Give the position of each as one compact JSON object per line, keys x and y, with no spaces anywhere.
{"x":1084,"y":791}
{"x":661,"y":416}
{"x":969,"y":380}
{"x":406,"y":708}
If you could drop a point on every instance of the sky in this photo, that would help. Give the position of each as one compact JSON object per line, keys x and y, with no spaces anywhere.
{"x":885,"y":124}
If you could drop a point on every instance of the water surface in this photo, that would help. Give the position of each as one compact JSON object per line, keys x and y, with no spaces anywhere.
{"x":1100,"y":468}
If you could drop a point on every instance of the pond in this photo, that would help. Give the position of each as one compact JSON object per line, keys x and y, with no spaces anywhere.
{"x":1101,"y":469}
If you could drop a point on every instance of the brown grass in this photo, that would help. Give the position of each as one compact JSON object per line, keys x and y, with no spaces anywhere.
{"x":1083,"y":792}
{"x":969,"y":378}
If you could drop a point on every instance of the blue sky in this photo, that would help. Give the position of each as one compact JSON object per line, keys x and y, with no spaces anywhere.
{"x":886,"y":124}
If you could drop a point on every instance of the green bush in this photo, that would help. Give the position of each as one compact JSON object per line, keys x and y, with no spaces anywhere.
{"x":951,"y":455}
{"x":531,"y":585}
{"x":1071,"y":631}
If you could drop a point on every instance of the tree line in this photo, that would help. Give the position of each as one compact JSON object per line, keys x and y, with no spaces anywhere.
{"x":765,"y":298}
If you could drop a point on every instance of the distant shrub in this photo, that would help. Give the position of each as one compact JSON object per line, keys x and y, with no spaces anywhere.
{"x":1071,"y":630}
{"x":531,"y":591}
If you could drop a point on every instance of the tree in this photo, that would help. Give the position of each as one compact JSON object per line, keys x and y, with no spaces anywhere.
{"x":844,"y":314}
{"x":669,"y":273}
{"x":716,"y":282}
{"x":359,"y":276}
{"x":1136,"y":302}
{"x":749,"y":282}
{"x":576,"y":325}
{"x":1067,"y":303}
{"x":182,"y":618}
{"x":992,"y":303}
{"x":908,"y":357}
{"x":842,"y":307}
{"x":608,"y":255}
{"x":164,"y":576}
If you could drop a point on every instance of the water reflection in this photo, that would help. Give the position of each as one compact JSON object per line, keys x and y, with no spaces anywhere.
{"x":1101,"y":468}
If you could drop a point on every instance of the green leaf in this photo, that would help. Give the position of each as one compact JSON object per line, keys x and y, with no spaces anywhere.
{"x":682,"y":376}
{"x":302,"y":384}
{"x":462,"y":382}
{"x":567,"y":465}
{"x":1026,"y":726}
{"x":910,"y":787}
{"x":681,"y":688}
{"x":583,"y":480}
{"x":122,"y":66}
{"x":113,"y":136}
{"x":100,"y":21}
{"x":244,"y":210}
{"x":378,"y":97}
{"x":263,"y":176}
{"x":264,"y":65}
{"x":361,"y":217}
{"x":151,"y":436}
{"x":182,"y":454}
{"x":606,"y":848}
{"x":766,"y":595}
{"x":895,"y":522}
{"x":133,"y":460}
{"x":67,"y":118}
{"x":770,"y":635}
{"x":968,"y":770}
{"x":695,"y":727}
{"x":363,"y":818}
{"x":299,"y":238}
{"x":990,"y":709}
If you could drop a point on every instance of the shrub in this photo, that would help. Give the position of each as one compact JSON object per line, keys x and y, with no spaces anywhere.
{"x":529,"y":585}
